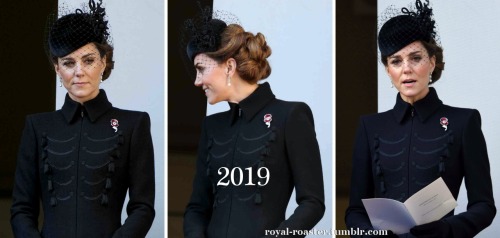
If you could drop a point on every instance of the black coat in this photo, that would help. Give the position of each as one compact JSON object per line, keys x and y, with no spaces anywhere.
{"x":81,"y":167}
{"x":240,"y":139}
{"x":400,"y":151}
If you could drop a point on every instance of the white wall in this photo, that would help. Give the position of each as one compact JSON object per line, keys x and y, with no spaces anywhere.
{"x":470,"y":36}
{"x":137,"y":80}
{"x":299,"y":33}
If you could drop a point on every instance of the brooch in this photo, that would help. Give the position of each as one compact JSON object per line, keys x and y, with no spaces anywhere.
{"x":114,"y":124}
{"x":267,"y":119}
{"x":444,"y":123}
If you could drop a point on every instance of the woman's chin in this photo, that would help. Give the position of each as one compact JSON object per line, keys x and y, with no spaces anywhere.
{"x":213,"y":101}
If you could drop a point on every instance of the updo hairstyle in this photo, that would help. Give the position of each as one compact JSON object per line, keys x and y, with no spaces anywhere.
{"x":249,"y":51}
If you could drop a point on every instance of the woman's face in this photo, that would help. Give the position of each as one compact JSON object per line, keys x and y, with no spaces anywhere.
{"x":212,"y":77}
{"x":409,"y":70}
{"x":81,"y":71}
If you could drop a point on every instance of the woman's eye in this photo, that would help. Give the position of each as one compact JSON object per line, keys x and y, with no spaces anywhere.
{"x":69,"y":64}
{"x":416,"y":58}
{"x":396,"y":62}
{"x":89,"y":61}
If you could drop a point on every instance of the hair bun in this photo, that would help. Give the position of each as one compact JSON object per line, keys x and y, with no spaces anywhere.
{"x":258,"y":51}
{"x":250,"y":52}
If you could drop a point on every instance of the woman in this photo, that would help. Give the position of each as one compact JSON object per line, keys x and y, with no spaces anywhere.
{"x":80,"y":161}
{"x":400,"y":151}
{"x":252,"y":156}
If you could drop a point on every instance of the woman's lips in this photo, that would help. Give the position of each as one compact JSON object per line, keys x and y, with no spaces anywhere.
{"x":409,"y":82}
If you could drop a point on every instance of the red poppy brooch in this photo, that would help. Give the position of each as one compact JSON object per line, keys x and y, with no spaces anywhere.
{"x":114,"y":124}
{"x":444,"y":123}
{"x":267,"y":119}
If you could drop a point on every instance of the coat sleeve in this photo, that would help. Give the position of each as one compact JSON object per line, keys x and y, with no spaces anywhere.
{"x":141,"y":174}
{"x":26,"y":193}
{"x":199,"y":208}
{"x":362,"y":185}
{"x":481,"y":207}
{"x":304,"y":158}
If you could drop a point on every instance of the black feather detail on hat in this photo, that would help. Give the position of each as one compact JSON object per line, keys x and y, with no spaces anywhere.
{"x":205,"y":33}
{"x":77,"y":29}
{"x":202,"y":34}
{"x":404,"y":29}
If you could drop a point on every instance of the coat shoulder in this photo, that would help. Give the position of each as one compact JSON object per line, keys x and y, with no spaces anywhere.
{"x":131,"y":114}
{"x":460,"y":111}
{"x":291,"y":104}
{"x":46,"y":118}
{"x":377,"y":117}
{"x":290,"y":107}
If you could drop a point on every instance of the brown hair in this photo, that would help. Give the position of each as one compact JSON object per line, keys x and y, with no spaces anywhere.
{"x":433,"y":49}
{"x":104,"y":49}
{"x":249,"y":51}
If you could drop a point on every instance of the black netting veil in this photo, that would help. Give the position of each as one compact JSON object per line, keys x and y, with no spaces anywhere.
{"x":76,"y":29}
{"x":202,"y":34}
{"x":406,"y":26}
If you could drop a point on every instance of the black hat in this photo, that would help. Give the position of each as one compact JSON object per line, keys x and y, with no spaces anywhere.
{"x":406,"y":28}
{"x":75,"y":30}
{"x":202,"y":34}
{"x":207,"y":38}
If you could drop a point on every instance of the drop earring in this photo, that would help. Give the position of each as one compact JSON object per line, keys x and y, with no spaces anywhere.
{"x":430,"y":78}
{"x":60,"y":82}
{"x":392,"y":85}
{"x":101,"y":76}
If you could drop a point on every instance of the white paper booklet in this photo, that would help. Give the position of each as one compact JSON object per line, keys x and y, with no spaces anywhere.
{"x":429,"y":204}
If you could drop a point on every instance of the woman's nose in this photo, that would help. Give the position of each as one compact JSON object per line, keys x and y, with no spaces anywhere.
{"x":78,"y":69}
{"x":407,"y":67}
{"x":198,"y":82}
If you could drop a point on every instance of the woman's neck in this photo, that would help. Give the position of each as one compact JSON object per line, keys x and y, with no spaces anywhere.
{"x":412,"y":99}
{"x":241,"y":90}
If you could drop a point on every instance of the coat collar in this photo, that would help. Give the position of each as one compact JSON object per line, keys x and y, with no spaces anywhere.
{"x":252,"y":104}
{"x":93,"y":108}
{"x":423,"y":107}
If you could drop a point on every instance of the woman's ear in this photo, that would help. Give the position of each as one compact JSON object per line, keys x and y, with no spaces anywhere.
{"x":56,"y":68}
{"x":231,"y":66}
{"x":433,"y":63}
{"x":103,"y":60}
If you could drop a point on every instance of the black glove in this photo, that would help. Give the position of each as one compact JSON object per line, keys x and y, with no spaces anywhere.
{"x":435,"y":229}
